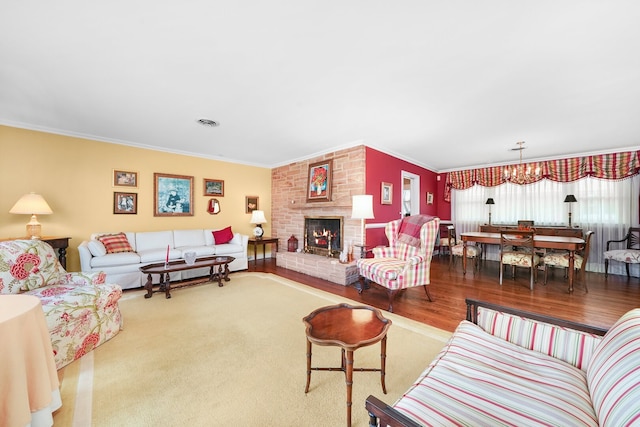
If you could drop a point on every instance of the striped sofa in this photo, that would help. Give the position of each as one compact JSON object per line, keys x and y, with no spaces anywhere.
{"x":505,"y":367}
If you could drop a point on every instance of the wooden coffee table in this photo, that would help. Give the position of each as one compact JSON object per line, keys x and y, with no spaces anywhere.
{"x":164,"y":270}
{"x":348,"y":327}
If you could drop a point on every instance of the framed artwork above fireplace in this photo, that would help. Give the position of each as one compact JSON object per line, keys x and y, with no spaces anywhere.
{"x":319,"y":181}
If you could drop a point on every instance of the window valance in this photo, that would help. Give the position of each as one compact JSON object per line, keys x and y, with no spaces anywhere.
{"x":603,"y":166}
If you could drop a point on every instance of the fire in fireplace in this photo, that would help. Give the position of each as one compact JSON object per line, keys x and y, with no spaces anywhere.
{"x":323,"y":235}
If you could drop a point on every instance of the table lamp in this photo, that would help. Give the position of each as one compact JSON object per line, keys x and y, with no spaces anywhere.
{"x":570,"y":199}
{"x":257,"y":218}
{"x":490,"y":202}
{"x":362,"y":209}
{"x":32,"y":204}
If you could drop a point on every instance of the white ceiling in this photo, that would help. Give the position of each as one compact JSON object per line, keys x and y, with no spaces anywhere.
{"x":444,"y":84}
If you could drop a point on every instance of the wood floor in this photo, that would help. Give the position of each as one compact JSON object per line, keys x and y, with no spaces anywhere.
{"x":605,"y":302}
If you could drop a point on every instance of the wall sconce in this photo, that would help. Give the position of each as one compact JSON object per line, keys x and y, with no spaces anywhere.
{"x":257,"y":218}
{"x":570,"y":199}
{"x":32,"y":204}
{"x":490,"y":202}
{"x":362,"y":209}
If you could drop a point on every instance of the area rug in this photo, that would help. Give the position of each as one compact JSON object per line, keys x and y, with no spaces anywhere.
{"x":233,"y":356}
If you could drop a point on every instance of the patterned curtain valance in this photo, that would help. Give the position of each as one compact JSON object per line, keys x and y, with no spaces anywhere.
{"x":603,"y":166}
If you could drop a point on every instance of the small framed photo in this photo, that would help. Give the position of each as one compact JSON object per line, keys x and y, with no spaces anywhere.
{"x":125,"y":203}
{"x":251,"y":204}
{"x":429,"y":198}
{"x":386,"y":196}
{"x":319,"y":183}
{"x":213,"y":187}
{"x":172,"y":195}
{"x":125,"y":178}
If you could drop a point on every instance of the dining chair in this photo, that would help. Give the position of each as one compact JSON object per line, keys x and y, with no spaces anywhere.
{"x":525,"y":223}
{"x":457,"y":250}
{"x":517,"y":250}
{"x":443,"y":241}
{"x":630,"y":254}
{"x":561,"y":259}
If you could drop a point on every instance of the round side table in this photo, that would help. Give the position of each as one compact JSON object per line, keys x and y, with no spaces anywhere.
{"x":348,"y":327}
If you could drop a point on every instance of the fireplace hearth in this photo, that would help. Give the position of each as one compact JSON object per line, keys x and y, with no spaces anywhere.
{"x":323,"y":235}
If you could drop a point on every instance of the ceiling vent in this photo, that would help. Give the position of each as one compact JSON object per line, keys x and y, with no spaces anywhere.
{"x":209,"y":123}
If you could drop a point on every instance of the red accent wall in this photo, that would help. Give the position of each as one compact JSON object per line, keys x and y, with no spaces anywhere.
{"x":382,"y":167}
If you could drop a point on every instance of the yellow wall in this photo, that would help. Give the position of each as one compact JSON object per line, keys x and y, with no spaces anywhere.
{"x":75,"y":176}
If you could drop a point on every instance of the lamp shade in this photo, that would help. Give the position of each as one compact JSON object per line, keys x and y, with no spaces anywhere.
{"x":490,"y":201}
{"x":257,"y":217}
{"x":30,"y":204}
{"x":362,"y":207}
{"x":570,"y":198}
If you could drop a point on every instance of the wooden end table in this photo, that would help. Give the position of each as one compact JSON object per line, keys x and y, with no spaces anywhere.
{"x":164,"y":270}
{"x":348,"y":327}
{"x":261,"y":241}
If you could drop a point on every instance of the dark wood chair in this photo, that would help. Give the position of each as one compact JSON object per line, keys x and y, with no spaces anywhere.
{"x":517,"y":250}
{"x":444,"y":241}
{"x":561,"y":259}
{"x":474,"y":252}
{"x":630,"y":254}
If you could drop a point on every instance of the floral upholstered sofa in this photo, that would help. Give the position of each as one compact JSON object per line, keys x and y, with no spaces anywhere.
{"x":81,"y":310}
{"x":507,"y":367}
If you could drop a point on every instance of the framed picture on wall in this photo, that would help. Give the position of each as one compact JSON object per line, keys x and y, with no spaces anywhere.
{"x":213,"y":187}
{"x":251,"y":204}
{"x":173,"y":195}
{"x":429,"y":198}
{"x":386,"y":196}
{"x":319,"y":181}
{"x":125,"y":203}
{"x":125,"y":178}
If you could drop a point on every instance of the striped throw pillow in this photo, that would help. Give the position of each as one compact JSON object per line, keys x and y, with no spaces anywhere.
{"x":572,"y":346}
{"x":115,"y":243}
{"x":613,"y":374}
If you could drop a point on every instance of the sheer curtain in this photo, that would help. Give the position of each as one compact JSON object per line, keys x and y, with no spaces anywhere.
{"x":607,"y":207}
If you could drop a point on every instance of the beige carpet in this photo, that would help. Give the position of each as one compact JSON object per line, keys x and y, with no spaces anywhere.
{"x":232,"y":356}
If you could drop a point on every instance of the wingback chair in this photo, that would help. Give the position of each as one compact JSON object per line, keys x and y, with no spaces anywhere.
{"x":80,"y":309}
{"x":406,"y":262}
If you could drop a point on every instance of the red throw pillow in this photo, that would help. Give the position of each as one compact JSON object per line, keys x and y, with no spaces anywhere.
{"x":222,"y":236}
{"x":115,"y":243}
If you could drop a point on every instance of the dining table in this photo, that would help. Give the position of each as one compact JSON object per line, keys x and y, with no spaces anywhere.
{"x":29,"y":385}
{"x":570,"y":244}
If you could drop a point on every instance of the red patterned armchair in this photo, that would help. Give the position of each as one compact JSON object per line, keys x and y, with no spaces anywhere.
{"x":406,"y":262}
{"x":81,"y":311}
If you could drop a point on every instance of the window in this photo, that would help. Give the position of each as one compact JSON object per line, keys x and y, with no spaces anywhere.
{"x":607,"y":207}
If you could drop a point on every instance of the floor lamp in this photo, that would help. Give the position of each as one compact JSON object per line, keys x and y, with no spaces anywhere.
{"x":362,"y":209}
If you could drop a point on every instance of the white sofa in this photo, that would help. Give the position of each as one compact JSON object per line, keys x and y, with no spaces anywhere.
{"x":151,"y":247}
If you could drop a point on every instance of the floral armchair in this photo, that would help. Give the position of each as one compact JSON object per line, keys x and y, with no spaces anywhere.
{"x":80,"y":309}
{"x":406,"y":262}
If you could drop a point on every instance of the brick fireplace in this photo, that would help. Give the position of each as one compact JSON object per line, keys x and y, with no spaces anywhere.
{"x":290,"y":208}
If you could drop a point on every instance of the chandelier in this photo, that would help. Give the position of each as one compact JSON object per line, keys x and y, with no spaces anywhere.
{"x":521,"y":174}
